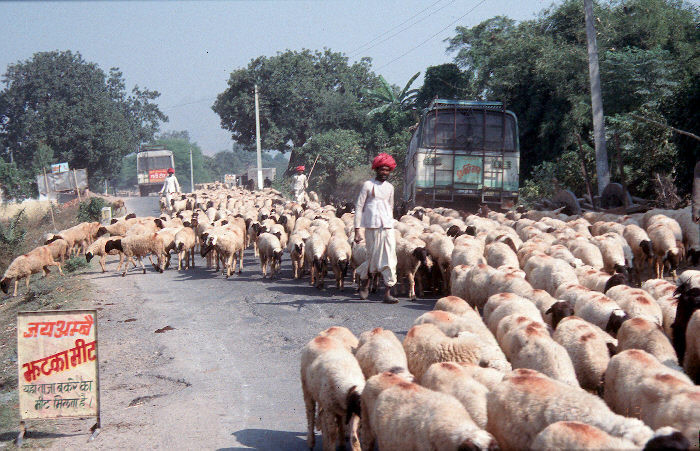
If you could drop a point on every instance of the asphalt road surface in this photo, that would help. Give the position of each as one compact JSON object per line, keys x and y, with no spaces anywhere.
{"x":190,"y":359}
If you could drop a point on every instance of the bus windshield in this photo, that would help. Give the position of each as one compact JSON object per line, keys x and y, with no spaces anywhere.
{"x":462,"y":129}
{"x":147,"y":163}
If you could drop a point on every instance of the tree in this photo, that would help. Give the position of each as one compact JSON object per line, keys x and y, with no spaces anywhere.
{"x":301,"y":94}
{"x":60,"y":100}
{"x":389,"y":97}
{"x":445,"y":81}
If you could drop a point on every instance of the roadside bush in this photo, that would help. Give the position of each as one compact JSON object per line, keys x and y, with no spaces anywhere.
{"x":91,"y":210}
{"x":75,"y":263}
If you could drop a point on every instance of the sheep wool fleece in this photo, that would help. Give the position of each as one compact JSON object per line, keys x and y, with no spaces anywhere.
{"x":381,"y":246}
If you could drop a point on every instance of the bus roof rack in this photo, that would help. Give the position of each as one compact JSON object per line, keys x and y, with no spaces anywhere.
{"x":486,"y":105}
{"x":147,"y":147}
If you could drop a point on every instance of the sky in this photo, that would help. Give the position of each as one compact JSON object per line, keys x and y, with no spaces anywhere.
{"x":187,"y":50}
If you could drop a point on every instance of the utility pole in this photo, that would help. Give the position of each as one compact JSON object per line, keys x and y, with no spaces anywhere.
{"x":191,"y":170}
{"x":601,"y":154}
{"x":257,"y":137}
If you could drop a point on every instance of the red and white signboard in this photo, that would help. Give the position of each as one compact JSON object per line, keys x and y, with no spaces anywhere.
{"x":157,"y":175}
{"x":57,"y":359}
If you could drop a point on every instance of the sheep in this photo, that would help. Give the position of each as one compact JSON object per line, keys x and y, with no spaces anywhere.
{"x":426,"y":344}
{"x":270,"y":252}
{"x":526,"y":402}
{"x":468,"y":251}
{"x":295,"y":246}
{"x":459,"y":281}
{"x":97,"y":248}
{"x":315,"y":256}
{"x":440,"y":249}
{"x":280,"y":233}
{"x":596,"y":280}
{"x":139,"y":246}
{"x":664,"y":245}
{"x":638,"y":385}
{"x":548,"y":273}
{"x":563,"y":253}
{"x":339,"y":255}
{"x":77,"y":235}
{"x":23,"y":266}
{"x":636,"y":303}
{"x":504,"y":304}
{"x":184,"y":244}
{"x":578,"y":435}
{"x":331,"y":378}
{"x":411,"y":254}
{"x":59,"y":249}
{"x":641,"y":246}
{"x":378,"y":351}
{"x":374,"y":386}
{"x":228,"y":245}
{"x":453,"y":304}
{"x":527,"y":344}
{"x":587,"y":252}
{"x":688,"y":302}
{"x":344,"y":335}
{"x":468,"y":322}
{"x":640,"y":333}
{"x":594,"y":307}
{"x":451,"y":379}
{"x":406,"y":416}
{"x":589,"y":348}
{"x":500,"y":254}
{"x":168,"y":236}
{"x":691,"y":359}
{"x":544,"y":302}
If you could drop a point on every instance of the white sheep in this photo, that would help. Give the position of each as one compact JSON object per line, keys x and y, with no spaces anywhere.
{"x":23,"y":266}
{"x":526,"y":402}
{"x":97,"y":248}
{"x":527,"y":344}
{"x":691,"y":359}
{"x":426,"y":344}
{"x":339,"y":254}
{"x":407,"y":416}
{"x":139,"y":246}
{"x":589,"y":348}
{"x":578,"y":435}
{"x":636,"y":303}
{"x":638,"y":385}
{"x":332,"y":379}
{"x":640,"y":333}
{"x":378,"y":351}
{"x":270,"y":252}
{"x":450,"y":378}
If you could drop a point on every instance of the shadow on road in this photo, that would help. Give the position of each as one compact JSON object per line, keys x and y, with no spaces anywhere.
{"x":265,"y":439}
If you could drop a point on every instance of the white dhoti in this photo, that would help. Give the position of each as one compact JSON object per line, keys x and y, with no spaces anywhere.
{"x":168,"y":205}
{"x":381,"y":255}
{"x":299,"y":196}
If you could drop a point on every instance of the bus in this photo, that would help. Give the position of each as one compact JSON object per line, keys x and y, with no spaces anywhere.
{"x":152,"y":163}
{"x":463,"y":154}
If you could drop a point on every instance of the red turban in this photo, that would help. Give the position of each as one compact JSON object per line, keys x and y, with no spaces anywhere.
{"x":171,"y":171}
{"x":301,"y":168}
{"x":384,"y":159}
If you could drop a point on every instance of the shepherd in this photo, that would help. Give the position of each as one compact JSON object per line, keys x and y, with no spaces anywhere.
{"x":299,"y":184}
{"x":374,"y":213}
{"x":170,"y":187}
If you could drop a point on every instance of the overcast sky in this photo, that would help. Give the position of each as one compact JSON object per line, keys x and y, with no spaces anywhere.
{"x":186,"y":50}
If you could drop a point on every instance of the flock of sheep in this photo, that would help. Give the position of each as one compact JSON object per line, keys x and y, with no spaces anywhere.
{"x":541,"y":340}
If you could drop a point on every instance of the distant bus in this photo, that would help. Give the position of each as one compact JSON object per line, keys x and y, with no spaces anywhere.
{"x":463,"y":153}
{"x":152,"y":163}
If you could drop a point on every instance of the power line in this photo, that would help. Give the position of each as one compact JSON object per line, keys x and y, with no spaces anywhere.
{"x":406,"y":28}
{"x":207,"y":99}
{"x":431,"y":37}
{"x":393,"y":28}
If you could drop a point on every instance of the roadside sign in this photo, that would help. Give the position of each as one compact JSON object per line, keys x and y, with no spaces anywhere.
{"x":57,"y":360}
{"x":157,"y":175}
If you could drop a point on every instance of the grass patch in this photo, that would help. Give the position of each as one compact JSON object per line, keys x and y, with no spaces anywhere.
{"x":53,"y":292}
{"x":74,"y":264}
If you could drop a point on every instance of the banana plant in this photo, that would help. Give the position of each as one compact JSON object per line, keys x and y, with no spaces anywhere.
{"x":389,"y":98}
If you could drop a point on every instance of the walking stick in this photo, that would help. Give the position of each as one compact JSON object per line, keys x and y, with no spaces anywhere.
{"x":313,"y":166}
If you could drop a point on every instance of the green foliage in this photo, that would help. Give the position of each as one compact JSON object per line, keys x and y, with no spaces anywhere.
{"x":91,"y":210}
{"x":390,"y":97}
{"x":445,"y":81}
{"x":75,"y":263}
{"x":302,"y":93}
{"x":15,"y":183}
{"x":11,"y":232}
{"x":649,"y":57}
{"x":238,"y":160}
{"x":58,"y":107}
{"x":338,"y":151}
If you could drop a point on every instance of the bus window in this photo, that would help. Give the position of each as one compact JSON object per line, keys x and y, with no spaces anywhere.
{"x":464,"y":130}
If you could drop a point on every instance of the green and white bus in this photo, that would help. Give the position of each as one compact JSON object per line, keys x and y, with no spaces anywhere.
{"x":462,"y":154}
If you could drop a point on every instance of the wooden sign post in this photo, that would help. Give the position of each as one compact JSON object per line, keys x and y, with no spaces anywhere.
{"x":58,"y":366}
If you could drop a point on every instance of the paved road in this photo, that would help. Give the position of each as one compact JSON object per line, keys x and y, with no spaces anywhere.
{"x":227,"y":374}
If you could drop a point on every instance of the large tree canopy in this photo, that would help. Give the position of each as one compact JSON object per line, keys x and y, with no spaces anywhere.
{"x":649,"y":61}
{"x":57,"y":107}
{"x":301,"y":94}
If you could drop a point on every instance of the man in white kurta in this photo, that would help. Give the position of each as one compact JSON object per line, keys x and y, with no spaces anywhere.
{"x":299,"y":184}
{"x":374,"y":213}
{"x":170,"y":186}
